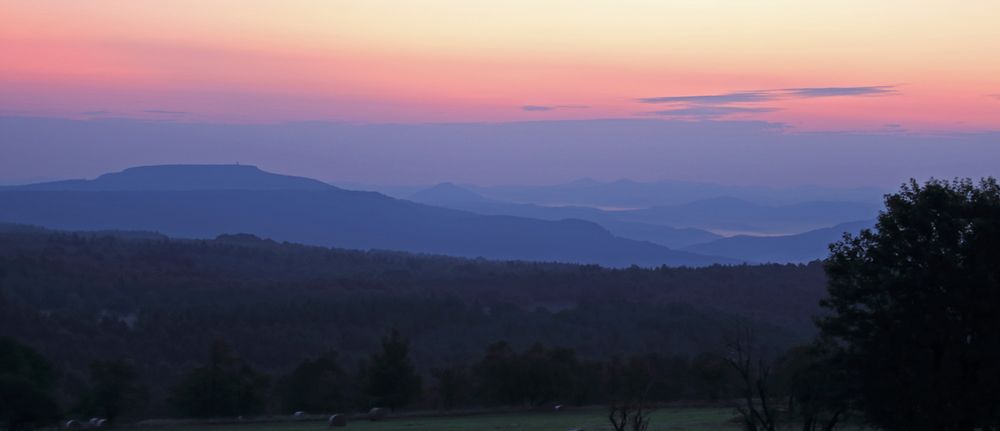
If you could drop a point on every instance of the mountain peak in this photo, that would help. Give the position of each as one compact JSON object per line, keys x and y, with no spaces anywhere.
{"x":186,"y":177}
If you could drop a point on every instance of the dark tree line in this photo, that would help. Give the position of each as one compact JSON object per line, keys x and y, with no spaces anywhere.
{"x":227,"y":386}
{"x":503,"y":376}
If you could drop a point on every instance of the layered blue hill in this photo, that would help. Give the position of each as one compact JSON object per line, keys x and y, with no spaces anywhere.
{"x":207,"y":200}
{"x":452,"y":196}
{"x":803,"y":247}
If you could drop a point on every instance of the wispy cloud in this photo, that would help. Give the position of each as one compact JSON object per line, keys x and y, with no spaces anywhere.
{"x":710,"y":111}
{"x":95,"y":113}
{"x":807,"y":92}
{"x":542,"y":108}
{"x":726,"y":98}
{"x":995,"y":96}
{"x":165,"y":112}
{"x":713,"y":106}
{"x":754,"y":96}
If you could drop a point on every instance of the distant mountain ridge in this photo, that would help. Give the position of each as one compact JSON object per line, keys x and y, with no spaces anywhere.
{"x":205,"y":201}
{"x":445,"y":193}
{"x":456,"y":197}
{"x":734,"y":215}
{"x":676,"y":226}
{"x":183,"y":177}
{"x":799,"y":248}
{"x":635,"y":194}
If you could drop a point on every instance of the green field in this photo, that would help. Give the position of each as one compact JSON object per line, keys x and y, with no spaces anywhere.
{"x":677,"y":419}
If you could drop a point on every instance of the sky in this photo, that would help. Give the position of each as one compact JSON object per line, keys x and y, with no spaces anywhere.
{"x":872,"y":72}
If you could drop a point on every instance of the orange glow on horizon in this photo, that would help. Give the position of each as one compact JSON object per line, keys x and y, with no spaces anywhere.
{"x":451,"y":60}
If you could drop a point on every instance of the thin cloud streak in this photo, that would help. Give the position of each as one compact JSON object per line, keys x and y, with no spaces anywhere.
{"x":711,"y":112}
{"x":165,"y":112}
{"x":810,"y":92}
{"x":738,"y":97}
{"x":716,"y":106}
{"x":774,"y":94}
{"x":543,"y":108}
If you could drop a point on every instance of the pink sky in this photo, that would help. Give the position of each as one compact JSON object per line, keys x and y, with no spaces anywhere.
{"x":924,"y":65}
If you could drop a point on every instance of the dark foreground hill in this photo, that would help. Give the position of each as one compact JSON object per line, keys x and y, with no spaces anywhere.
{"x":205,"y":201}
{"x":161,"y":302}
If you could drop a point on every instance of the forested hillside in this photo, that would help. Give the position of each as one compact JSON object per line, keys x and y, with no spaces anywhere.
{"x":161,"y":302}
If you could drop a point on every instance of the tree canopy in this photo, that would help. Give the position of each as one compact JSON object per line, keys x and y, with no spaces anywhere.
{"x":915,"y":303}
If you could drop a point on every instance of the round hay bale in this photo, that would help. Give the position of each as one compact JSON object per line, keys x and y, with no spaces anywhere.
{"x":94,"y":423}
{"x":557,"y":407}
{"x":377,"y":414}
{"x":100,"y":423}
{"x":72,"y":424}
{"x":298,"y":414}
{"x":337,"y":420}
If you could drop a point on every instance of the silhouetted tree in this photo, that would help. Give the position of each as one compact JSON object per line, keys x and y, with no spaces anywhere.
{"x":453,"y":386}
{"x":534,"y":377}
{"x":498,"y":373}
{"x":915,"y":303}
{"x":546,"y":374}
{"x":227,"y":386}
{"x":114,"y":389}
{"x":26,"y":382}
{"x":711,"y":374}
{"x":317,"y":386}
{"x":629,"y":415}
{"x":756,"y":409}
{"x":815,"y":383}
{"x":629,"y":386}
{"x":389,"y":377}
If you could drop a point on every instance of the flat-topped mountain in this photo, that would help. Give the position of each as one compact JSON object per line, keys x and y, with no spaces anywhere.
{"x":184,"y":177}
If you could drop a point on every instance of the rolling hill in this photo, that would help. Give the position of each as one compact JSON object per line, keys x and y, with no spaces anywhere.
{"x":456,"y":197}
{"x":208,"y":200}
{"x":799,"y":248}
{"x":730,"y":215}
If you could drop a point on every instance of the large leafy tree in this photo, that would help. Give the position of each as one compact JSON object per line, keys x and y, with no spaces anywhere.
{"x":915,"y":303}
